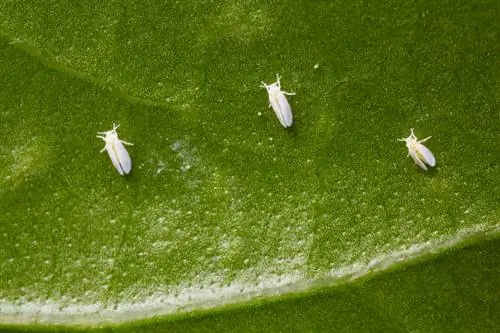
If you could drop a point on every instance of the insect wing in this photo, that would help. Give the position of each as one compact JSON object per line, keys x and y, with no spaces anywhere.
{"x":424,"y":153}
{"x":123,"y":157}
{"x":276,"y":108}
{"x":281,"y":108}
{"x":285,"y":110}
{"x":416,"y":158}
{"x":110,"y":148}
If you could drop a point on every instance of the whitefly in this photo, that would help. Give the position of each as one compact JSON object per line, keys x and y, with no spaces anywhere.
{"x":279,"y":103}
{"x":422,"y":156}
{"x":116,"y":150}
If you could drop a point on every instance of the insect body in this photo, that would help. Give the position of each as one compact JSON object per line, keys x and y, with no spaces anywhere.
{"x":420,"y":153}
{"x":279,"y":103}
{"x":116,"y":150}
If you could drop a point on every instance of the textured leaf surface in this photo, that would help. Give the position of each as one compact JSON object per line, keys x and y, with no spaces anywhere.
{"x":223,"y":204}
{"x":454,"y":292}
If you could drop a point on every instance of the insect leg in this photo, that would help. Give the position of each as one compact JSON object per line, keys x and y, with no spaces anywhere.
{"x":126,"y":143}
{"x":427,"y":138}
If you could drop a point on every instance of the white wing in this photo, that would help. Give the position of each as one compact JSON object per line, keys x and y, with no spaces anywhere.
{"x":426,"y":154}
{"x":123,"y":157}
{"x":416,"y":158}
{"x":110,"y":148}
{"x":281,"y":108}
{"x":286,"y":110}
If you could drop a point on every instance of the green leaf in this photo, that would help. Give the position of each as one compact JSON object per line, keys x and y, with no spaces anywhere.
{"x":452,"y":292}
{"x":224,"y":205}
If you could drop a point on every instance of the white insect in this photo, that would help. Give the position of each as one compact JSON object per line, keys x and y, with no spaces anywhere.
{"x":278,"y":102}
{"x":116,"y":151}
{"x":420,"y":153}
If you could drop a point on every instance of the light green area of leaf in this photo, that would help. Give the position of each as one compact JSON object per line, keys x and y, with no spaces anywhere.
{"x":223,"y":204}
{"x":452,"y":292}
